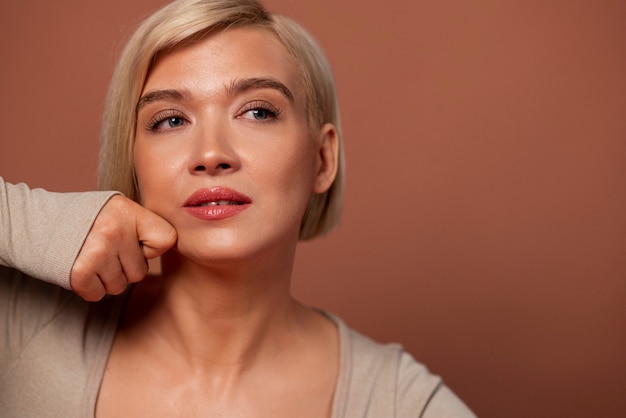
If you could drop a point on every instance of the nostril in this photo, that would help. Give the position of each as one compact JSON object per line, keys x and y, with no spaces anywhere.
{"x":219,"y":167}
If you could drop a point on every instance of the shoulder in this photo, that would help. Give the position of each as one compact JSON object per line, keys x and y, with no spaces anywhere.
{"x":27,"y":306}
{"x":54,"y":346}
{"x":384,"y":380}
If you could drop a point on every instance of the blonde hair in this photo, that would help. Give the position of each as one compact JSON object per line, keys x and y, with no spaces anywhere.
{"x":183,"y":20}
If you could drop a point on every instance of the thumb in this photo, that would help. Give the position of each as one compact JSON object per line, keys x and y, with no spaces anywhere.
{"x":155,"y":233}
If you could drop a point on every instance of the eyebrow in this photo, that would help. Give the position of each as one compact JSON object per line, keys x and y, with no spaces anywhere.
{"x":243,"y":85}
{"x":235,"y":88}
{"x":156,"y":95}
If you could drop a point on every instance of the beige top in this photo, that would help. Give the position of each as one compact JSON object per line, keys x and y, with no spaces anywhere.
{"x":54,"y":346}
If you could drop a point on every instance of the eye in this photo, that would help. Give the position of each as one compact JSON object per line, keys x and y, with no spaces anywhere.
{"x":261,"y":111}
{"x":174,"y":122}
{"x":166,"y":120}
{"x":260,"y":114}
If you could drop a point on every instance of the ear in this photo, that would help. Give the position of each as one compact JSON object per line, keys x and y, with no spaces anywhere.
{"x":327,"y":159}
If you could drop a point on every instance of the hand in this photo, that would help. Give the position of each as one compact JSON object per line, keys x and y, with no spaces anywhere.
{"x":123,"y":237}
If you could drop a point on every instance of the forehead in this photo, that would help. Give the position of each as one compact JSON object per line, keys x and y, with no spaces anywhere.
{"x":217,"y":59}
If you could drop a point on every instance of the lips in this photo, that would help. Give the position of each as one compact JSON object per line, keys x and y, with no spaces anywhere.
{"x":216,"y":196}
{"x":216,"y":203}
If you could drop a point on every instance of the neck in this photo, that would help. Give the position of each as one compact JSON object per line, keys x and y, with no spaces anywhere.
{"x":217,"y":317}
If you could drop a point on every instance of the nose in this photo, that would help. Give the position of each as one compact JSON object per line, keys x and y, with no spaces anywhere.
{"x":213,"y":152}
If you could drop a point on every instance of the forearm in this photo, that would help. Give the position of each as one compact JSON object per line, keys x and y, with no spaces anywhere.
{"x":41,"y":232}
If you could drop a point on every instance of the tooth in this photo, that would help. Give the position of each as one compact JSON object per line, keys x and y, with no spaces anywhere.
{"x":219,"y":203}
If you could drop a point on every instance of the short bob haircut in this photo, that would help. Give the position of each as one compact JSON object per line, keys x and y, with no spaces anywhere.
{"x":185,"y":20}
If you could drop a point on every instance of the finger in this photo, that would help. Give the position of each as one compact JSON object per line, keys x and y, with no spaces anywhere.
{"x":97,"y":268}
{"x":155,"y":233}
{"x":134,"y":264}
{"x":87,"y":286}
{"x":113,"y":279}
{"x":84,"y":280}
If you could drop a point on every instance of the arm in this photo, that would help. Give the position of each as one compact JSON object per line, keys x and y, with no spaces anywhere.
{"x":41,"y":233}
{"x":88,"y":242}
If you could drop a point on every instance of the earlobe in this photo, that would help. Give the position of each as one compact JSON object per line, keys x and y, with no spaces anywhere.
{"x":328,"y":158}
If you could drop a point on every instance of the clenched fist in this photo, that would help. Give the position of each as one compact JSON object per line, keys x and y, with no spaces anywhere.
{"x":123,"y":237}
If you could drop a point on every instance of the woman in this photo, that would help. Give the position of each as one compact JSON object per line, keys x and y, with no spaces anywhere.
{"x":222,"y":119}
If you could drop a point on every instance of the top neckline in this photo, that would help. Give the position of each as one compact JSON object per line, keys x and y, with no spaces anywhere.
{"x":116,"y":314}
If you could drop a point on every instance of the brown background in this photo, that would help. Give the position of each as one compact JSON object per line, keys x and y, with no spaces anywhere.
{"x":485,"y":218}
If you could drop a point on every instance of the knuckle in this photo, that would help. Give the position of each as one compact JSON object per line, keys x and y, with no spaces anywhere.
{"x":119,"y":202}
{"x":109,"y":232}
{"x":97,"y":245}
{"x":138,"y":273}
{"x":78,"y":279}
{"x":115,"y":286}
{"x":111,"y":223}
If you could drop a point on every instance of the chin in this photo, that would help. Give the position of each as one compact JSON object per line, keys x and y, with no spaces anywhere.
{"x":225,"y":247}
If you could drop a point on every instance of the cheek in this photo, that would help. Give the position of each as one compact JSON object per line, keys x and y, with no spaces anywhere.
{"x":142,"y":163}
{"x":154,"y":172}
{"x":294,"y":172}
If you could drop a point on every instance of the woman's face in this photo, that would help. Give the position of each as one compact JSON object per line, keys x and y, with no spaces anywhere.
{"x":223,"y":150}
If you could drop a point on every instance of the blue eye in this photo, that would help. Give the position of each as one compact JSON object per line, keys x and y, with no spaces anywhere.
{"x":175,"y":122}
{"x":260,"y":114}
{"x":260,"y":110}
{"x":165,"y":121}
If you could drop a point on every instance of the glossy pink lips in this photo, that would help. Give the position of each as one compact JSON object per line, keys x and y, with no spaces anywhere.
{"x":216,"y":203}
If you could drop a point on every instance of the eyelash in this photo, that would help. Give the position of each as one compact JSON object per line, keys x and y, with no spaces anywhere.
{"x":262,"y":105}
{"x":161,"y":117}
{"x":153,"y":124}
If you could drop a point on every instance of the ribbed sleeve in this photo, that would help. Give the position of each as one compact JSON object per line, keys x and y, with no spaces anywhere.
{"x":42,"y":232}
